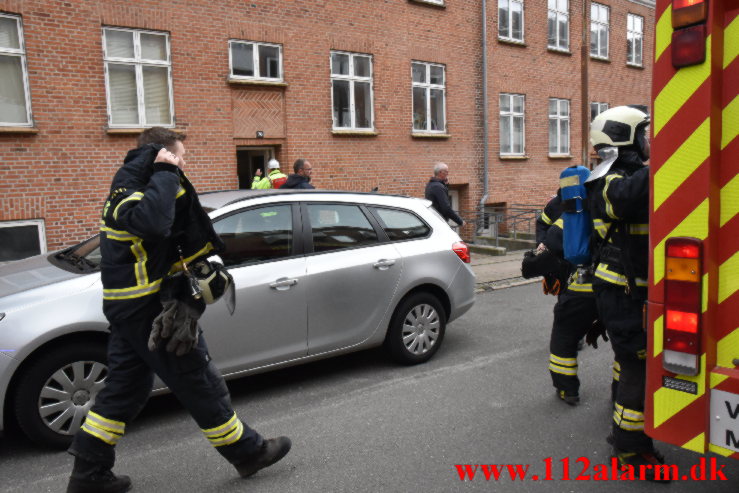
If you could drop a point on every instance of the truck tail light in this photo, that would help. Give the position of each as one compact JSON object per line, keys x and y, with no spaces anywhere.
{"x":683,"y":308}
{"x":689,"y":36}
{"x":462,"y":251}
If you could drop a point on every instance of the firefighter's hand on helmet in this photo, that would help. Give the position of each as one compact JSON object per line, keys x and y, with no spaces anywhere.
{"x":595,"y":331}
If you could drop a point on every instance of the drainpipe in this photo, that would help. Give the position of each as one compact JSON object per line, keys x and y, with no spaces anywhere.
{"x":484,"y":114}
{"x":585,"y":109}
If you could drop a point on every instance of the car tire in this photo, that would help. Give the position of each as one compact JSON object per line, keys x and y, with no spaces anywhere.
{"x":55,"y":392}
{"x":416,"y":329}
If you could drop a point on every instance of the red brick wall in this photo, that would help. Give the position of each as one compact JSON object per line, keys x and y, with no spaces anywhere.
{"x":62,"y":172}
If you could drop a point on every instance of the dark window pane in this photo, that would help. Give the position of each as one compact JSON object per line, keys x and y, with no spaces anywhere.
{"x":503,"y":27}
{"x":242,"y":58}
{"x":269,"y":62}
{"x":342,"y":118}
{"x":362,"y":66}
{"x":401,"y":225}
{"x":339,"y":64}
{"x":419,"y":108}
{"x":418,"y":71}
{"x":17,"y":242}
{"x":437,"y":75}
{"x":363,"y":105}
{"x":256,"y":235}
{"x":437,"y":110}
{"x":339,"y":226}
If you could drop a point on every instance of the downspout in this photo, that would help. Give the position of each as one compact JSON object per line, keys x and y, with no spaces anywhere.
{"x":484,"y":116}
{"x":584,"y":83}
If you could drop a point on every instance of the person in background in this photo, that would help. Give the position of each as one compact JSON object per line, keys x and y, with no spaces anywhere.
{"x":301,"y":178}
{"x":274,"y":179}
{"x":437,"y":191}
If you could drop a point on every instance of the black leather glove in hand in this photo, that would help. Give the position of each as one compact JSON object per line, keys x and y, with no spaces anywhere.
{"x":597,"y":329}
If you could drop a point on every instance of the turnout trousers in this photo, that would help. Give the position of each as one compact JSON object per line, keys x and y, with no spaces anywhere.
{"x":574,"y":314}
{"x":193,"y":378}
{"x":623,"y":318}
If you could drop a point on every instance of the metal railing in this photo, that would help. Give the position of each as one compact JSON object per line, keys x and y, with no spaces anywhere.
{"x":505,"y":221}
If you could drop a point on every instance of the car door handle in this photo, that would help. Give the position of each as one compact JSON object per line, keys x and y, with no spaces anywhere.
{"x":383,"y":264}
{"x":283,"y":283}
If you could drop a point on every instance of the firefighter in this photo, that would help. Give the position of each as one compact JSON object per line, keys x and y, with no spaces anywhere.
{"x":153,"y":224}
{"x":619,"y":204}
{"x":274,"y":179}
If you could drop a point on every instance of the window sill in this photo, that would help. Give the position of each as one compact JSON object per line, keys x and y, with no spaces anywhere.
{"x":559,"y":51}
{"x":355,"y":133}
{"x":512,"y":42}
{"x":600,"y":59}
{"x":133,"y":130}
{"x":513,"y":158}
{"x":250,"y":82}
{"x":441,"y":5}
{"x":560,"y":156}
{"x":429,"y":135}
{"x":19,"y":130}
{"x":633,"y":65}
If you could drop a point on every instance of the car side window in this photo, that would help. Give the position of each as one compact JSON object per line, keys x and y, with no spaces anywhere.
{"x":401,"y":225}
{"x":339,"y":226}
{"x":255,"y":235}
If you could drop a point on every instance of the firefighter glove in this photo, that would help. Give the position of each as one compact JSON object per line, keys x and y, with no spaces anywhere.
{"x":551,"y":285}
{"x":162,"y":326}
{"x":596,"y":330}
{"x":185,"y":329}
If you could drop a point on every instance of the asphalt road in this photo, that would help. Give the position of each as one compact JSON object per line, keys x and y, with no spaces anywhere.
{"x":360,"y":423}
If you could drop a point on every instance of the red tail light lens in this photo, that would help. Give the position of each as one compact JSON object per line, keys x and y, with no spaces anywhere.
{"x":687,"y":12}
{"x":689,"y":46}
{"x":462,"y":251}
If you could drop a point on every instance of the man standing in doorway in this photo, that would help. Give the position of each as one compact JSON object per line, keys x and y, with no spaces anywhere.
{"x":274,"y":179}
{"x":301,"y":178}
{"x":437,"y":191}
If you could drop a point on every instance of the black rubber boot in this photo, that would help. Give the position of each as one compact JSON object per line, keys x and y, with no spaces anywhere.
{"x":271,"y":451}
{"x":89,"y":477}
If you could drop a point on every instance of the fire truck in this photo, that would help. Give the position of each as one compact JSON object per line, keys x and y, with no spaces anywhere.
{"x":692,"y":316}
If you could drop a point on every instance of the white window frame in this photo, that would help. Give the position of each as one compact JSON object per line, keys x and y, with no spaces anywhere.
{"x":352,"y":79}
{"x":509,"y":36}
{"x":138,"y":64}
{"x":427,"y":86}
{"x":561,"y":120}
{"x":597,"y":21}
{"x":21,"y":53}
{"x":255,"y":58}
{"x":39,"y":223}
{"x":598,"y":108}
{"x":558,"y":14}
{"x":632,"y":33}
{"x":510,"y":115}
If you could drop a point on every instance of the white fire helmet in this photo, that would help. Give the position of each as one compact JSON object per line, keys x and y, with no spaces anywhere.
{"x":214,"y":281}
{"x":273,"y":164}
{"x":618,"y":126}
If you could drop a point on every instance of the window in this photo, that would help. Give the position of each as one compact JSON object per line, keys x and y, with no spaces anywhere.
{"x":338,"y":226}
{"x":258,"y":61}
{"x":634,"y":39}
{"x":596,"y":109}
{"x":256,"y":235}
{"x":429,"y":105}
{"x":512,"y":124}
{"x":510,"y":20}
{"x":351,"y":91}
{"x":138,"y":76}
{"x":559,"y":25}
{"x":559,"y":126}
{"x":15,"y":100}
{"x":401,"y":225}
{"x":599,"y":24}
{"x":21,"y":239}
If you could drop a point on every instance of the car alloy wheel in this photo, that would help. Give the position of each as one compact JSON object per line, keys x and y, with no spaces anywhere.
{"x":416,"y":329}
{"x":421,"y":329}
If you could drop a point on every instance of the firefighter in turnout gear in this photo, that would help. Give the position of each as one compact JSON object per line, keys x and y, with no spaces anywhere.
{"x":619,"y":204}
{"x":274,"y":179}
{"x":153,"y":225}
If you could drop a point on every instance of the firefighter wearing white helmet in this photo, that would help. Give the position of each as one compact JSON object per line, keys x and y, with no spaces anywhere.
{"x":274,"y":179}
{"x":619,"y":206}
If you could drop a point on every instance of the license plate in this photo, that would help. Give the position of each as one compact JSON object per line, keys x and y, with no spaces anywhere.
{"x":725,"y":419}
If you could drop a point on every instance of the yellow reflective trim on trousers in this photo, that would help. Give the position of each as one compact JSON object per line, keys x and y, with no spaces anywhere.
{"x":563,"y":361}
{"x":630,"y":414}
{"x":730,"y":200}
{"x":638,"y":229}
{"x":562,"y":370}
{"x":609,"y":206}
{"x":627,"y":425}
{"x":683,"y":162}
{"x":133,"y":196}
{"x":677,"y":91}
{"x":132,"y":292}
{"x":105,"y":423}
{"x":109,"y":438}
{"x":731,"y":42}
{"x":695,"y":225}
{"x":545,"y":218}
{"x":581,"y":288}
{"x":669,"y":402}
{"x":663,"y":33}
{"x":232,"y":437}
{"x":604,"y":273}
{"x":601,"y":227}
{"x":221,"y":429}
{"x":728,"y":277}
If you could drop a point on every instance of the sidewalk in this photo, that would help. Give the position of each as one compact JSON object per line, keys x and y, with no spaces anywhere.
{"x":498,"y":272}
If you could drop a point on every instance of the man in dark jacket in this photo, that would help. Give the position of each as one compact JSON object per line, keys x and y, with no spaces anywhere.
{"x":301,"y":178}
{"x":152,"y":225}
{"x":437,"y":191}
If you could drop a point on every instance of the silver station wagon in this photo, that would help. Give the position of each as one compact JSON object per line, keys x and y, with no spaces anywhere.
{"x":317,"y":274}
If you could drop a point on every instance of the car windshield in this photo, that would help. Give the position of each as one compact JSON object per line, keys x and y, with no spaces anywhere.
{"x":84,"y":256}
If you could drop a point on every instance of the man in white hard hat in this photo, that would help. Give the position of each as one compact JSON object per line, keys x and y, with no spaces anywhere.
{"x":274,"y":179}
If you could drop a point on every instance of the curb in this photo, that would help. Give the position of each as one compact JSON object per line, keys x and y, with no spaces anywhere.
{"x":504,"y":283}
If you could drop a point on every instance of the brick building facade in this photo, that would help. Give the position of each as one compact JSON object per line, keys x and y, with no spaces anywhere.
{"x":334,"y":81}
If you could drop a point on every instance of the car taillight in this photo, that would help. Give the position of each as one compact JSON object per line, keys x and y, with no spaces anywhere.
{"x":683,"y":296}
{"x":689,"y":38}
{"x":462,"y":251}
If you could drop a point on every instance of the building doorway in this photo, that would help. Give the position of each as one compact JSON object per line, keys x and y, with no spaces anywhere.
{"x":249,"y":160}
